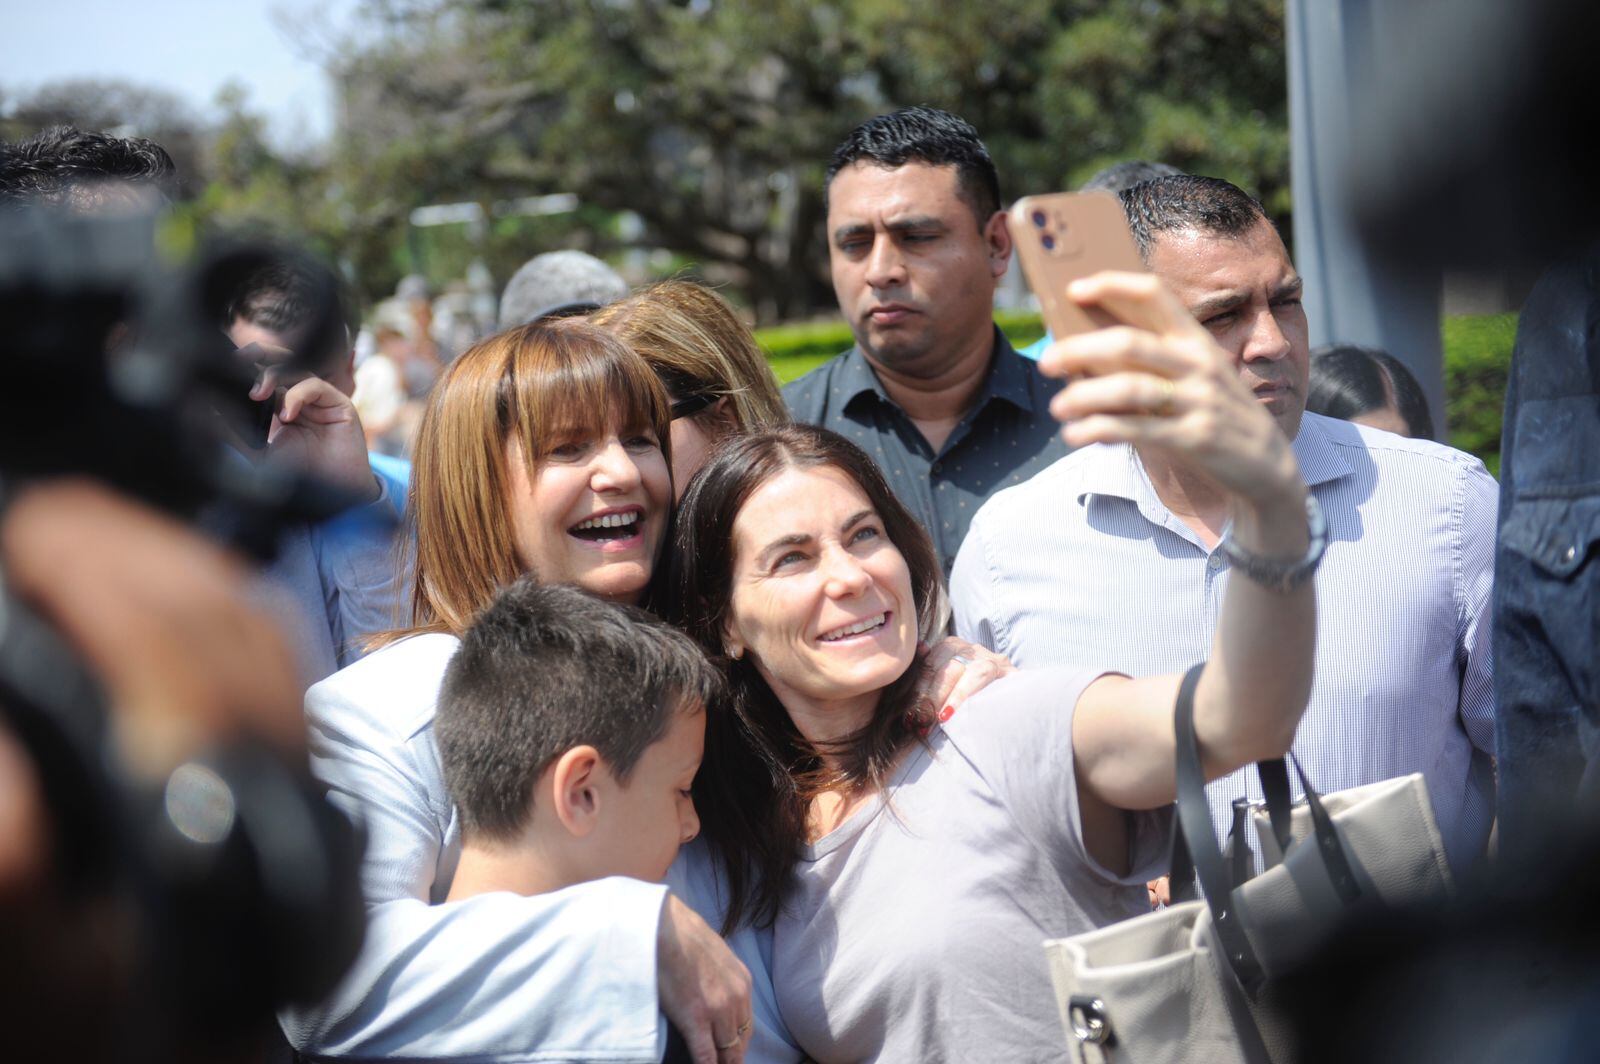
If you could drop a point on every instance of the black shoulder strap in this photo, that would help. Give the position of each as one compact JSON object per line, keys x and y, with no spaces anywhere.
{"x":1200,"y":839}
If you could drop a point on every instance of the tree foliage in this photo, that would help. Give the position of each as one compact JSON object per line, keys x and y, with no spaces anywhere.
{"x":713,"y":120}
{"x":710,"y":120}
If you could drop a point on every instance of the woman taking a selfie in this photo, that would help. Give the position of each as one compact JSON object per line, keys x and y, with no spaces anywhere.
{"x":911,"y":867}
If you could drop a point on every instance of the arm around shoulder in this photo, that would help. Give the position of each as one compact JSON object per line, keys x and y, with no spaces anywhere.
{"x":494,"y":977}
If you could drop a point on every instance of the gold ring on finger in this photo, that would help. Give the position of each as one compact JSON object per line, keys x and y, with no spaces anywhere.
{"x":1164,"y":406}
{"x":744,"y":1028}
{"x":730,"y":1043}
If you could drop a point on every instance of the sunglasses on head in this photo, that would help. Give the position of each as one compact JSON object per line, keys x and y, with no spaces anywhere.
{"x":691,"y":404}
{"x":694,"y":395}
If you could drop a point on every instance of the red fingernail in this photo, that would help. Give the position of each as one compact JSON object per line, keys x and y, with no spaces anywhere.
{"x":946,"y":713}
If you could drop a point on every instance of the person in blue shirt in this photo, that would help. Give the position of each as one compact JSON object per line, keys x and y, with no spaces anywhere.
{"x":342,"y":574}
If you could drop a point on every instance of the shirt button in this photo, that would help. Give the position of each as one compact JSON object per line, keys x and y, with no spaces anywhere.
{"x":938,"y":467}
{"x":1215,"y":561}
{"x":1569,"y":554}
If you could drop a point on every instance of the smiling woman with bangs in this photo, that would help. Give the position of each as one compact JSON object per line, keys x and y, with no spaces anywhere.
{"x":543,"y":449}
{"x":911,"y":864}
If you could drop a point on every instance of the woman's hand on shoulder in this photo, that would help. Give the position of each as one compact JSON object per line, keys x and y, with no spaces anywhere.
{"x":953,"y":670}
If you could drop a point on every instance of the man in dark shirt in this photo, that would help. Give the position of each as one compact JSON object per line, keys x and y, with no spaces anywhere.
{"x":932,"y":390}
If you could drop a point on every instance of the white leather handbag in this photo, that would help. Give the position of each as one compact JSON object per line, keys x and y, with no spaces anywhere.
{"x":1194,"y":981}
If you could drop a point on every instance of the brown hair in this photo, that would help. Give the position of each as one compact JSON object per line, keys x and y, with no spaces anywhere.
{"x":540,"y":383}
{"x":543,"y":669}
{"x":697,"y":344}
{"x":759,"y":772}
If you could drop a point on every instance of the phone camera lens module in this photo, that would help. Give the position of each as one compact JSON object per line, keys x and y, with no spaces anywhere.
{"x":1039,"y":219}
{"x":1048,"y":241}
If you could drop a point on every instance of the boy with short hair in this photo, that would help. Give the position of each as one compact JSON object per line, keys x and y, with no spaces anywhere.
{"x":570,"y":730}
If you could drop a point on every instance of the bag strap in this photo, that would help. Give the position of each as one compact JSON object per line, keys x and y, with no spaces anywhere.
{"x":1334,"y":858}
{"x":1236,"y":851}
{"x":1199,"y":839}
{"x":1274,"y":777}
{"x":1194,"y":846}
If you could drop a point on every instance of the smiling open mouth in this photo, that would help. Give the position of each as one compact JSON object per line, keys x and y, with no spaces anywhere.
{"x":858,"y":628}
{"x":607,"y":527}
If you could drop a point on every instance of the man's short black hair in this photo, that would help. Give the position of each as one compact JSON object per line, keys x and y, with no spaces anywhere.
{"x":62,"y":166}
{"x":924,"y":135}
{"x":1126,"y":174}
{"x":546,"y":668}
{"x":1185,"y":201}
{"x":285,"y":296}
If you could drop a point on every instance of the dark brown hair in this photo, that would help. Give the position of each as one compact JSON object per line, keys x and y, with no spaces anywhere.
{"x":544,"y":669}
{"x":760,"y":773}
{"x":1189,"y":201}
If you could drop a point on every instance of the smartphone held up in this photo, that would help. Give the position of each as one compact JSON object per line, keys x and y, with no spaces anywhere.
{"x":1064,"y":236}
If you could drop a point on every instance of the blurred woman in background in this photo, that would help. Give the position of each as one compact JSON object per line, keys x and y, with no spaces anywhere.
{"x":716,"y":376}
{"x":1369,"y":387}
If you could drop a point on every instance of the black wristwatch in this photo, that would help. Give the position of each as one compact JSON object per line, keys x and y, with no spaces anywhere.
{"x":1281,"y":575}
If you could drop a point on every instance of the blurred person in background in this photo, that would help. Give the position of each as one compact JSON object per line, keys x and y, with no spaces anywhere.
{"x":1547,"y":572}
{"x":1124,"y":175}
{"x":932,"y":389}
{"x":316,"y":429}
{"x":715,"y":374}
{"x":381,"y":399}
{"x":381,"y":386}
{"x":86,"y":171}
{"x":420,"y":358}
{"x":359,"y":589}
{"x":559,"y":284}
{"x":1369,"y":387}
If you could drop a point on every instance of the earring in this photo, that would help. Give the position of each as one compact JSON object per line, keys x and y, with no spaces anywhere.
{"x":733,"y":655}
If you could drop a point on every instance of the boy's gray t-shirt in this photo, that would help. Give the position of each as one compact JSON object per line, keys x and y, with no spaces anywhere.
{"x":914,"y":930}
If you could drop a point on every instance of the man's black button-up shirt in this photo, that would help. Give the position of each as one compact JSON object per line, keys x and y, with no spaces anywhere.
{"x":1006,"y":437}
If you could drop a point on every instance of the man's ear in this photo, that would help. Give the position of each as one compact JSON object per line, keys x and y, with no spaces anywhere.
{"x":997,"y":234}
{"x":574,"y":789}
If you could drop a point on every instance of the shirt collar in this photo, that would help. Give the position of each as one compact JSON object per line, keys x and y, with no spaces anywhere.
{"x":1114,"y":469}
{"x":1320,"y":461}
{"x":1007,"y":379}
{"x":1010,"y":376}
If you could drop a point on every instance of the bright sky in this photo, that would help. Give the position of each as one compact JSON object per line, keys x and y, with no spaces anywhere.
{"x":190,"y":47}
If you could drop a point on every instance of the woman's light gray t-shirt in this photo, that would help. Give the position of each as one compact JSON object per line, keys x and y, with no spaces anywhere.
{"x":914,"y":931}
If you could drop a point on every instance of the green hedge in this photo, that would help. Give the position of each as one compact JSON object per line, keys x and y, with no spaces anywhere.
{"x":1477,"y":360}
{"x":794,"y":350}
{"x":1477,"y":355}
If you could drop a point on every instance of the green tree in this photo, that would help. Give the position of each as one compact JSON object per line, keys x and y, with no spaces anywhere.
{"x":257,"y":189}
{"x":713,"y":119}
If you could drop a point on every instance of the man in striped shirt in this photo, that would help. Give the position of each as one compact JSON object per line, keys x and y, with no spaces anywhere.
{"x":1111,"y":556}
